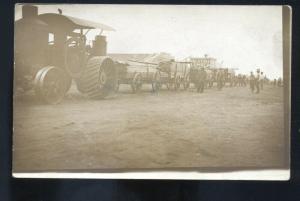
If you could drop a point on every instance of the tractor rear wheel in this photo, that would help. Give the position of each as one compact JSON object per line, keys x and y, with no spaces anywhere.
{"x":99,"y":78}
{"x":51,"y":84}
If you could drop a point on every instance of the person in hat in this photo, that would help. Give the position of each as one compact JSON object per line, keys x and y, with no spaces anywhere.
{"x":279,"y":82}
{"x":261,"y":80}
{"x":257,"y":80}
{"x":252,"y":81}
{"x":220,"y":79}
{"x":275,"y":82}
{"x":201,"y":80}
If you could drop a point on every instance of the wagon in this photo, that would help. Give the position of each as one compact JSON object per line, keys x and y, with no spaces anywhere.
{"x":174,"y":74}
{"x":136,"y":74}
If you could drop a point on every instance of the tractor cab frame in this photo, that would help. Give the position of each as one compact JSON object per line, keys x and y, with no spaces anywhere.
{"x":51,"y":50}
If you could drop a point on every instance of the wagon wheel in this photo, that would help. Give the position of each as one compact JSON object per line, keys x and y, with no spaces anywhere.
{"x":187,"y":81}
{"x":51,"y":84}
{"x":68,"y":82}
{"x":107,"y":79}
{"x":169,"y":83}
{"x":177,"y":83}
{"x":156,"y":82}
{"x":117,"y":87}
{"x":136,"y":84}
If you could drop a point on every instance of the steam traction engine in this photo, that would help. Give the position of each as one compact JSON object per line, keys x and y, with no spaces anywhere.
{"x":50,"y":51}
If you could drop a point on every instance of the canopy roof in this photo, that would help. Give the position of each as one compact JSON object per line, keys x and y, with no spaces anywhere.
{"x":67,"y":22}
{"x":32,"y":21}
{"x":71,"y":23}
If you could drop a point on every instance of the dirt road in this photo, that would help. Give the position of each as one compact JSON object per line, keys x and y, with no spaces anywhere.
{"x":228,"y":128}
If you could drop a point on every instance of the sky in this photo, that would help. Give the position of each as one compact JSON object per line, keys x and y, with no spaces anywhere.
{"x":242,"y":37}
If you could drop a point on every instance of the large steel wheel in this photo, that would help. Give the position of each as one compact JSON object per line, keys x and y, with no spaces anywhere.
{"x":51,"y":84}
{"x":137,"y":83}
{"x":68,"y":81}
{"x":156,"y":82}
{"x":99,"y":78}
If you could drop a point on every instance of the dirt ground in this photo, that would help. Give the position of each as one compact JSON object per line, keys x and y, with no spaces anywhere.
{"x":219,"y":129}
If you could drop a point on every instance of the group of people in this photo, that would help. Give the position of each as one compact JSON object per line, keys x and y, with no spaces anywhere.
{"x":257,"y":81}
{"x":205,"y":79}
{"x":277,"y":82}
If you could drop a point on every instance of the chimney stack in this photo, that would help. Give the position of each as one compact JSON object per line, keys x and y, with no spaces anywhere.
{"x":29,"y":11}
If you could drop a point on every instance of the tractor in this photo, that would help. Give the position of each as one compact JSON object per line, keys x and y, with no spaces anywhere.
{"x":51,"y":50}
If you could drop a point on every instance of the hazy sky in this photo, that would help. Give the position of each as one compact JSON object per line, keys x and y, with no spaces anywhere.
{"x":243,"y":37}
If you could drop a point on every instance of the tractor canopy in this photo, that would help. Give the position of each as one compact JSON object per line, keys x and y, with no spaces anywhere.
{"x":70,"y":23}
{"x":59,"y":21}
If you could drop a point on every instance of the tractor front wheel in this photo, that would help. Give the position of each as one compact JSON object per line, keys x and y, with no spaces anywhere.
{"x":51,"y":84}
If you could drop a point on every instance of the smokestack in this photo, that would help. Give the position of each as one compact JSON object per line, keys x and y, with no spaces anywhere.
{"x":99,"y":46}
{"x":29,"y":11}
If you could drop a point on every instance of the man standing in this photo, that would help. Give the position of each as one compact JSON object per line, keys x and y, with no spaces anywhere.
{"x":261,"y":80}
{"x":257,"y":80}
{"x":220,"y":79}
{"x":252,"y":81}
{"x":201,"y":80}
{"x":279,"y":82}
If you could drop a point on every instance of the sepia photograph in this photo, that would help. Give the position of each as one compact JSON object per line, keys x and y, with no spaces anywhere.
{"x":156,"y":89}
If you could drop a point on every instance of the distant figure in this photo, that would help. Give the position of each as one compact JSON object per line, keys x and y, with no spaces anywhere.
{"x":275,"y":83}
{"x":279,"y":82}
{"x":261,"y":80}
{"x":257,"y":80}
{"x":209,"y":79}
{"x":244,"y":80}
{"x":239,"y":80}
{"x":231,"y":78}
{"x":220,"y":78}
{"x":252,"y":82}
{"x":201,"y":80}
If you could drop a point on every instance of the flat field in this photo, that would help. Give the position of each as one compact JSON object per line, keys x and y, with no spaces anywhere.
{"x":231,"y":128}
